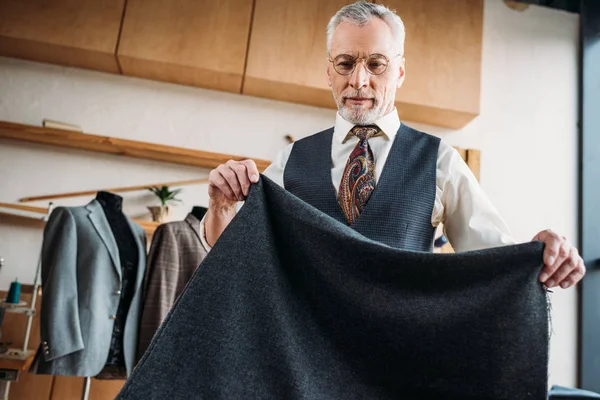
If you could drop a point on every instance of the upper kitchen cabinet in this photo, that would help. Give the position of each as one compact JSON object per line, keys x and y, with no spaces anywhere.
{"x":287,"y":57}
{"x":443,"y":61}
{"x":193,"y":42}
{"x":79,"y":33}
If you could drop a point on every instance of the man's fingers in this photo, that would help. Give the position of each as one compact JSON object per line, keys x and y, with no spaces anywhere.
{"x":554,"y":254}
{"x":252,"y":170}
{"x":242,"y":176}
{"x":568,"y":265}
{"x":575,"y":275}
{"x":543,"y":235}
{"x":217,"y":181}
{"x":562,"y":264}
{"x":232,"y":179}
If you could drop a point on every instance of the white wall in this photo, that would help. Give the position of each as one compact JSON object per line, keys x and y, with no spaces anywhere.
{"x":526,"y":132}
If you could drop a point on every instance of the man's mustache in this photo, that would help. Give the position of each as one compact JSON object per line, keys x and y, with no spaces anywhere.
{"x":358,"y":94}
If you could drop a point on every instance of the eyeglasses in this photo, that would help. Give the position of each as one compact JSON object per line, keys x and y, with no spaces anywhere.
{"x":376,"y":64}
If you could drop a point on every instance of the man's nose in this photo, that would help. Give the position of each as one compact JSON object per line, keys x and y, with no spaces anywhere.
{"x":360,"y":77}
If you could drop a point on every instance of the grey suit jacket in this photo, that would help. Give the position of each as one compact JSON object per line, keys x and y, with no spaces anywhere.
{"x":81,"y":283}
{"x":175,"y":254}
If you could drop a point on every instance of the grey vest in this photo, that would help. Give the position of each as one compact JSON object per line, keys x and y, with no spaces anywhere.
{"x":399,"y":210}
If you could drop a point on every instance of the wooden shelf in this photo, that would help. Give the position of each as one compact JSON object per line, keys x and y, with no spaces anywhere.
{"x":112,"y":190}
{"x":22,"y":207}
{"x":20,"y":210}
{"x":122,"y":147}
{"x":20,"y":308}
{"x":18,"y":361}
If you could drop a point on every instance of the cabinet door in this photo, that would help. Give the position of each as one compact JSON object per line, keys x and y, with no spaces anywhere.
{"x":79,"y":33}
{"x":287,"y":57}
{"x":443,"y":60}
{"x":193,"y":42}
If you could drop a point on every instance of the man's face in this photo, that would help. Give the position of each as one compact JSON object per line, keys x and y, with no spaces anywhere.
{"x":362,"y":97}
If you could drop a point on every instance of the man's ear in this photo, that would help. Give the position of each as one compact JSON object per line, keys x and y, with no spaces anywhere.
{"x":402,"y":73}
{"x":328,"y":75}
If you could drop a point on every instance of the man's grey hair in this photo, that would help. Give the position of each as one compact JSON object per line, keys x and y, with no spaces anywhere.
{"x":360,"y":13}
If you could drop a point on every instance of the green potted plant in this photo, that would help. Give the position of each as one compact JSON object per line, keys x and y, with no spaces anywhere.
{"x":166,"y":196}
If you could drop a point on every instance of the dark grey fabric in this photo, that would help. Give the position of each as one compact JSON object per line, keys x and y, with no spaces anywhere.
{"x":399,"y":211}
{"x":292,"y":304}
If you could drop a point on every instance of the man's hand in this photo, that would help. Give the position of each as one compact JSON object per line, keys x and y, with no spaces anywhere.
{"x":562,"y":264}
{"x":227,"y":184}
{"x":230,"y":183}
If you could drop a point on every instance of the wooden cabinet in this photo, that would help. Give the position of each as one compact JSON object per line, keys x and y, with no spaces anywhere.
{"x":443,"y":60}
{"x":194,"y":42}
{"x":287,"y":56}
{"x":80,"y":33}
{"x":267,"y":48}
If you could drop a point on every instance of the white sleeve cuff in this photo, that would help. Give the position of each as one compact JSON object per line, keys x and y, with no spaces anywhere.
{"x":203,"y":240}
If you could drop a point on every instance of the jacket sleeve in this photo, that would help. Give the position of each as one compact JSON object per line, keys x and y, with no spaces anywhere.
{"x":60,"y":326}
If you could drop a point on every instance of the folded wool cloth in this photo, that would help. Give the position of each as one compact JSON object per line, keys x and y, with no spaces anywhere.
{"x":292,"y":304}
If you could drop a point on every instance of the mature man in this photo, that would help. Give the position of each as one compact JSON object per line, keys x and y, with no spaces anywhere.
{"x":384,"y":179}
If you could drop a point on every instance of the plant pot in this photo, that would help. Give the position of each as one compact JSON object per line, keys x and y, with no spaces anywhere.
{"x":159,"y":213}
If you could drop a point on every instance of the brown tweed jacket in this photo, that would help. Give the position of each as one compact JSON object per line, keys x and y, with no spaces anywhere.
{"x":175,"y":253}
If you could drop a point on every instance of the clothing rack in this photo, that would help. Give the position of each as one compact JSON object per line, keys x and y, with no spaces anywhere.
{"x":85,"y":393}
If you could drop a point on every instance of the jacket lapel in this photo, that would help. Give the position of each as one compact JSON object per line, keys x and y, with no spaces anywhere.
{"x":194,"y":223}
{"x":101,"y":225}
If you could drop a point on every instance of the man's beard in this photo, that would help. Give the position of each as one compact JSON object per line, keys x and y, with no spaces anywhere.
{"x":357,"y":115}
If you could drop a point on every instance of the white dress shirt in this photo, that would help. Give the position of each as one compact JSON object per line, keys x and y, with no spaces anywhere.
{"x":470,"y":220}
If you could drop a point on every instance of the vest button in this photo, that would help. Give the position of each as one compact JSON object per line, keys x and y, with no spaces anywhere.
{"x":113,"y":317}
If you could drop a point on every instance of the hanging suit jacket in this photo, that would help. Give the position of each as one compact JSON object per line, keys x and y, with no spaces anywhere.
{"x":81,"y":287}
{"x":292,"y":304}
{"x":175,"y":253}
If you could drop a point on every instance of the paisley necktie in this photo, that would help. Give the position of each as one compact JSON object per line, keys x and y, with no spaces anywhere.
{"x":358,"y":180}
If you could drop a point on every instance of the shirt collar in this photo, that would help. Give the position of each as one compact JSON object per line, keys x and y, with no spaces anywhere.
{"x":389,"y":125}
